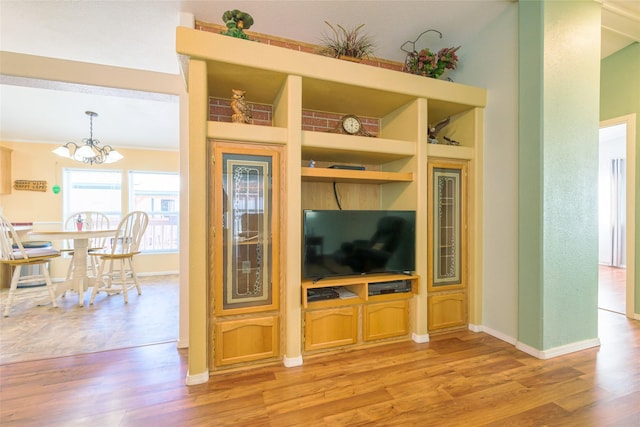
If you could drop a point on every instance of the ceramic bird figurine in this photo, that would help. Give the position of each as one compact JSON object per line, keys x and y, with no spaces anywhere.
{"x":451,"y":141}
{"x":434,"y":130}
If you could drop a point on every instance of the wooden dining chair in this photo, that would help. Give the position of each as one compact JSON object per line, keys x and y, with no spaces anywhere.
{"x":90,"y":220}
{"x":116,"y":273}
{"x":14,"y":254}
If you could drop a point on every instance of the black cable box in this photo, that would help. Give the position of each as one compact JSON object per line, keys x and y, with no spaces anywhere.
{"x":319,"y":294}
{"x":394,"y":286}
{"x":351,"y":168}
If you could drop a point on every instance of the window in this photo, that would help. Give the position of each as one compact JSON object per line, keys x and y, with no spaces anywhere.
{"x":92,"y":190}
{"x":158,"y":194}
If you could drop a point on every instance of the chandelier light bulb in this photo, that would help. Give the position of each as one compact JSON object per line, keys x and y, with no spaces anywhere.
{"x":62,"y":151}
{"x":113,"y":157}
{"x":83,"y":152}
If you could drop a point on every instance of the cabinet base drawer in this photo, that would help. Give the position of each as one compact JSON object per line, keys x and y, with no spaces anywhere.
{"x":385,"y":320}
{"x":330,"y":328}
{"x":245,"y":340}
{"x":447,"y":310}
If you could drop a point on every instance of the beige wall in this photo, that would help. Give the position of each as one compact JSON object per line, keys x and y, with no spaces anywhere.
{"x":32,"y":161}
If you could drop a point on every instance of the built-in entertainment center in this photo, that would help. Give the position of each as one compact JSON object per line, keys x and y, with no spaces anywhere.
{"x":325,"y":258}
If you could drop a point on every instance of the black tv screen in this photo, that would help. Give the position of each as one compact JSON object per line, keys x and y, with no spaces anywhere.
{"x":354,"y":242}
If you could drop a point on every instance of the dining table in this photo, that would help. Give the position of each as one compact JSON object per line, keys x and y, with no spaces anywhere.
{"x":79,"y":280}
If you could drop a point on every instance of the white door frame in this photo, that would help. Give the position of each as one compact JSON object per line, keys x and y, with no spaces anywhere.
{"x":630,"y":121}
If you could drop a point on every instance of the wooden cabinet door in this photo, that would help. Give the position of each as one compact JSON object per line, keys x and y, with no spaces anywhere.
{"x":385,"y":320}
{"x":245,"y":213}
{"x":447,"y":311}
{"x":245,"y":235}
{"x":330,"y":328}
{"x":5,"y":170}
{"x":447,"y":225}
{"x":246,"y":340}
{"x":447,"y":244}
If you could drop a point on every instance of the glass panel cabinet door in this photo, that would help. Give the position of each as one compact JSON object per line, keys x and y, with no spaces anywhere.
{"x":245,"y":208}
{"x":447,"y":225}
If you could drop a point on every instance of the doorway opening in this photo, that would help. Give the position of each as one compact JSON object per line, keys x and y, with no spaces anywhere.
{"x":616,"y":204}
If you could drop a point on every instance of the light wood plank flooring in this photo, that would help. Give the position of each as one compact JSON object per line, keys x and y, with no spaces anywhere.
{"x":460,"y":379}
{"x":612,"y":282}
{"x":36,"y":332}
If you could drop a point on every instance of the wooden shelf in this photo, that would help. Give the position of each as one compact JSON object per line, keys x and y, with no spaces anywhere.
{"x":353,"y":176}
{"x":328,"y":303}
{"x":332,"y":147}
{"x":450,"y":151}
{"x":246,"y":132}
{"x":394,"y":296}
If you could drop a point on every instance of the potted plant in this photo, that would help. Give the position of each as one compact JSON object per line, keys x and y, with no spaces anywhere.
{"x":79,"y":222}
{"x":347,"y":43}
{"x":429,"y":64}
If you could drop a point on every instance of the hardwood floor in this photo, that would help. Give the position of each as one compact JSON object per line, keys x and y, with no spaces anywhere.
{"x":461,"y":379}
{"x":612,"y":283}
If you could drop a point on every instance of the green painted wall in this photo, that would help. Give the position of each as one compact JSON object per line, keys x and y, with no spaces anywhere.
{"x":619,"y":96}
{"x":558,"y":158}
{"x":530,"y":139}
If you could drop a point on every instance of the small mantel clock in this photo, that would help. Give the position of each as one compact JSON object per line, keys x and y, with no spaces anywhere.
{"x":351,"y":124}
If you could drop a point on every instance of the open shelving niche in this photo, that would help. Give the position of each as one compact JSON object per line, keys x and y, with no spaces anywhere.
{"x":395,"y":160}
{"x":359,"y":286}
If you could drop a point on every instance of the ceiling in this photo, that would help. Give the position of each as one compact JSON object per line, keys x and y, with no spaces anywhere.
{"x":141,"y":35}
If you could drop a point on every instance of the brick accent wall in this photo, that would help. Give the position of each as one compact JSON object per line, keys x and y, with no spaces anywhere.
{"x":220,"y":110}
{"x":294,"y":44}
{"x":319,"y":121}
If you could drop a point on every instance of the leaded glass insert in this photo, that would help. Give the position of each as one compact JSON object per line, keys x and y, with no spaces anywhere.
{"x":246,"y":223}
{"x":447,"y":226}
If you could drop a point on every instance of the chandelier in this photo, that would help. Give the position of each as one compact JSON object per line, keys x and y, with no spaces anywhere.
{"x":91,"y":152}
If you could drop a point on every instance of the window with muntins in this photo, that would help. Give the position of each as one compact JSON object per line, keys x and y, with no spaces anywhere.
{"x":92,"y":190}
{"x":157,"y":194}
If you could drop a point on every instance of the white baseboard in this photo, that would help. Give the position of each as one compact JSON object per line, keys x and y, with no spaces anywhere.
{"x":540,"y":354}
{"x":476,"y":328}
{"x":158,"y":273}
{"x":500,"y":335}
{"x":290,"y":362}
{"x":558,"y":351}
{"x":420,"y":339}
{"x":197,"y":379}
{"x":154,"y":273}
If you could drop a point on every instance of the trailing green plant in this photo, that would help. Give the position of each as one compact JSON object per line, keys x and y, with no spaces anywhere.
{"x":236,"y":21}
{"x":346,"y":42}
{"x":430,"y":64}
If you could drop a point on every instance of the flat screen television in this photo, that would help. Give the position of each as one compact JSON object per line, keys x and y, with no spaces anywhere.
{"x":355,"y":242}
